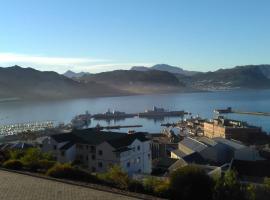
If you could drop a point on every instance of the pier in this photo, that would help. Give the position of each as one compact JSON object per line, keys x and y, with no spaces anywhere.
{"x":229,"y":110}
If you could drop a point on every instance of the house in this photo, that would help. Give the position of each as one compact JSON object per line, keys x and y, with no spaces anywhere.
{"x":98,"y":150}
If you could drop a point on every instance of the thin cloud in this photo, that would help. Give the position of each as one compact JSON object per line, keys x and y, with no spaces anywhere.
{"x":44,"y":60}
{"x":62,"y":64}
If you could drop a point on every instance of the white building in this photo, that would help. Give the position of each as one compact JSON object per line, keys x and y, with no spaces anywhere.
{"x":98,"y":150}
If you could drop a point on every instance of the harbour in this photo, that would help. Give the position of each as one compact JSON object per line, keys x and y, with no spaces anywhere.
{"x":201,"y":104}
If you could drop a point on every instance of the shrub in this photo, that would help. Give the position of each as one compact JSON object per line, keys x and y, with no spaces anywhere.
{"x":33,"y":157}
{"x":190,"y":182}
{"x":66,"y":171}
{"x":45,"y":164}
{"x":136,"y":186}
{"x":162,"y":189}
{"x":228,"y":187}
{"x":156,"y":186}
{"x":116,"y":177}
{"x":16,"y":154}
{"x":4,"y":156}
{"x":13,"y":164}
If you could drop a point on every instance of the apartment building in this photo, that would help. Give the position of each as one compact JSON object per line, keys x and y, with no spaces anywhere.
{"x":98,"y":150}
{"x":231,"y":129}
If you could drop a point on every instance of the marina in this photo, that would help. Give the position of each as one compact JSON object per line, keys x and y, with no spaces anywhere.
{"x":13,"y":129}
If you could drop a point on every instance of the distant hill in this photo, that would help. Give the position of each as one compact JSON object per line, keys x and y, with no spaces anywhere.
{"x":28,"y":83}
{"x":71,"y":74}
{"x":165,"y":67}
{"x":249,"y":77}
{"x":151,"y":81}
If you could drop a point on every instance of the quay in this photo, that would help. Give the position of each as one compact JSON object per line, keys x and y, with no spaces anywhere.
{"x":230,"y":110}
{"x":118,"y":127}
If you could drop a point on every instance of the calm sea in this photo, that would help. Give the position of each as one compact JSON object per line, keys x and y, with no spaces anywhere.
{"x":201,"y":104}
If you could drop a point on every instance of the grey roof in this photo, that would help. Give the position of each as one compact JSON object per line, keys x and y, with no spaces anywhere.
{"x":230,"y":143}
{"x":67,"y":146}
{"x":95,"y":137}
{"x":127,"y":139}
{"x":195,"y":158}
{"x":193,"y":144}
{"x":87,"y":136}
{"x":207,"y":141}
{"x":165,"y":162}
{"x":179,"y":153}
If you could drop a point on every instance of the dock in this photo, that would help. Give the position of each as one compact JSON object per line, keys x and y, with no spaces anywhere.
{"x":118,"y":127}
{"x":229,"y":110}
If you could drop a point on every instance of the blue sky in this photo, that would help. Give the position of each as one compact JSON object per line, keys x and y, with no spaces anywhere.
{"x":101,"y":35}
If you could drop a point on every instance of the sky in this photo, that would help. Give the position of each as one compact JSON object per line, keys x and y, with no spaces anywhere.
{"x":103,"y":35}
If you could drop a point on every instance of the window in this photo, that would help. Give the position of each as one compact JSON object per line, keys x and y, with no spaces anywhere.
{"x":93,"y":157}
{"x":92,"y":149}
{"x":86,"y":157}
{"x":54,"y":147}
{"x":138,"y":148}
{"x":62,"y":153}
{"x":128,"y":164}
{"x":100,"y":152}
{"x":100,"y":164}
{"x":138,"y":160}
{"x":93,"y":169}
{"x":149,"y":156}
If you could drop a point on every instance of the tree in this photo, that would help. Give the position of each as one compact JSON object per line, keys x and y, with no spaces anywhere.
{"x":228,"y":187}
{"x":190,"y":183}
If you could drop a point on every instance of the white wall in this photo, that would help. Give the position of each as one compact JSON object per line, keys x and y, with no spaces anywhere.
{"x":140,"y":160}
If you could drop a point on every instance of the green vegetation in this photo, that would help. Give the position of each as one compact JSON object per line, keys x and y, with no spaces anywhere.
{"x":13,"y":164}
{"x":228,"y":187}
{"x":189,"y":182}
{"x":66,"y":171}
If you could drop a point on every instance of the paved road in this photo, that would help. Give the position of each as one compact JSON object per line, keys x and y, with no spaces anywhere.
{"x":15,"y":186}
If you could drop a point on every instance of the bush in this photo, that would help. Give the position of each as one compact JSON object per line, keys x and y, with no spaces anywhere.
{"x":162,"y":189}
{"x":34,"y":158}
{"x":45,"y":164}
{"x":66,"y":171}
{"x":189,"y":183}
{"x":116,"y":177}
{"x":228,"y":187}
{"x":13,"y":164}
{"x":156,"y":186}
{"x":16,"y":154}
{"x":136,"y":186}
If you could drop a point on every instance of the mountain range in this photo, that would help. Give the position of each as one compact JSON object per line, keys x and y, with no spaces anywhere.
{"x":165,"y":67}
{"x":27,"y":83}
{"x":71,"y":74}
